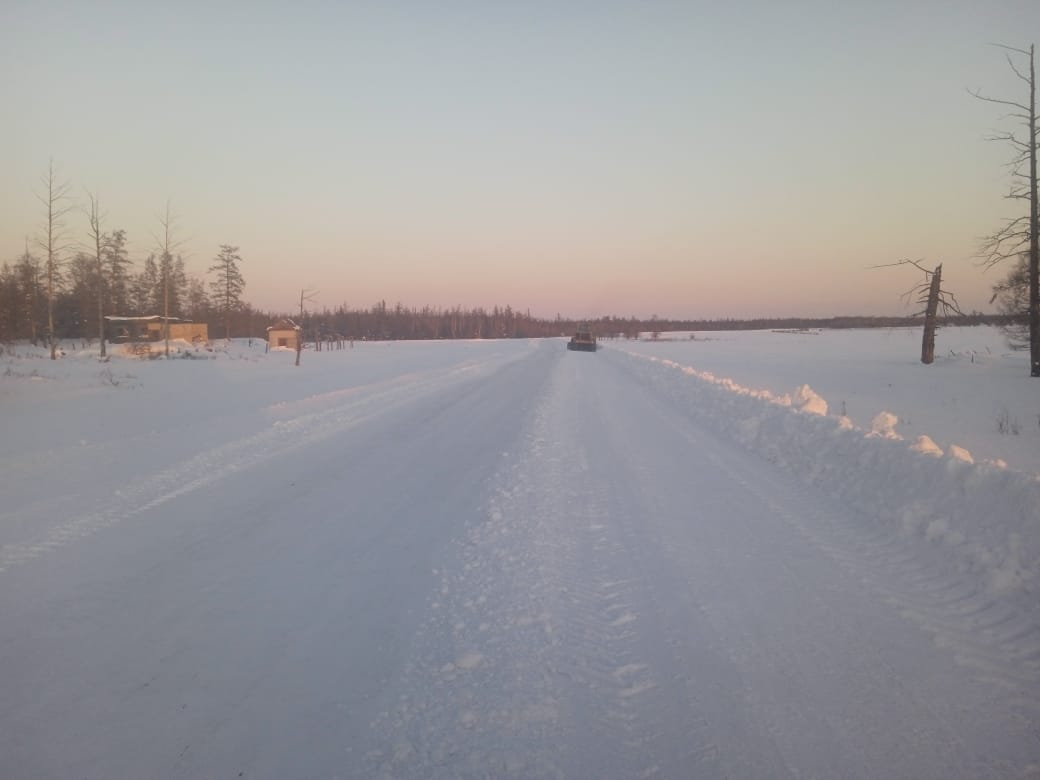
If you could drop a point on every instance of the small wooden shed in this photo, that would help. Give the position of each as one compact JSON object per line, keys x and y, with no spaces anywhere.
{"x":283,"y":333}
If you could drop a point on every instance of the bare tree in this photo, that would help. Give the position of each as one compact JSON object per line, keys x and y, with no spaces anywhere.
{"x":928,"y":293}
{"x":1011,"y":295}
{"x":305,"y":295}
{"x":166,"y":267}
{"x":1021,"y":233}
{"x":56,"y":203}
{"x":97,"y":240}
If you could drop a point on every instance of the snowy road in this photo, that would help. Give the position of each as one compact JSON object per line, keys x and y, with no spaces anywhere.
{"x":533,"y":565}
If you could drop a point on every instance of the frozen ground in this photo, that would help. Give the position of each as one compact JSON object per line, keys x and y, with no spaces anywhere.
{"x":503,"y":559}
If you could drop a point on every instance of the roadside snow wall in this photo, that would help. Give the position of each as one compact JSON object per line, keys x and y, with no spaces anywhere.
{"x":986,"y":516}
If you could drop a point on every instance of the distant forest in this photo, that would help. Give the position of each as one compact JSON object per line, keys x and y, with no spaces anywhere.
{"x":381,"y":322}
{"x":23,"y":316}
{"x":24,"y":308}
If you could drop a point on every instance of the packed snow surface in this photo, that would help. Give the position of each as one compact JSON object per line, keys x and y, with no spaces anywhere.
{"x":739,"y":555}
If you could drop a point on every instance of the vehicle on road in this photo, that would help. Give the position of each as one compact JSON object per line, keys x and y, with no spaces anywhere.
{"x":582,"y":340}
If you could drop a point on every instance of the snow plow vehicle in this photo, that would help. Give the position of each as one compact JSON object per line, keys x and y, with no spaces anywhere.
{"x":582,"y":340}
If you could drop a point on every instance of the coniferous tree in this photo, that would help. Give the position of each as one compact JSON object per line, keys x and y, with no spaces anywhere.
{"x":178,"y":285}
{"x":8,"y":303}
{"x":228,"y":285}
{"x":197,"y":305}
{"x":147,"y":288}
{"x":28,"y":273}
{"x":78,"y":309}
{"x":117,"y":270}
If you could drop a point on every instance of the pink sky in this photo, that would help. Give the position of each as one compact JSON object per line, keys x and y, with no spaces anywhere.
{"x":657,"y":158}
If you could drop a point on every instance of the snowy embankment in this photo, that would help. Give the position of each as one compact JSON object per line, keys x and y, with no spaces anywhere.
{"x":985,"y":515}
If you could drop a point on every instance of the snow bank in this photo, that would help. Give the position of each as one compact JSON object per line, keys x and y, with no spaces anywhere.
{"x":985,"y":516}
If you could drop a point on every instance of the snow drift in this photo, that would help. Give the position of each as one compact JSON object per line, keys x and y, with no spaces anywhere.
{"x":985,"y":515}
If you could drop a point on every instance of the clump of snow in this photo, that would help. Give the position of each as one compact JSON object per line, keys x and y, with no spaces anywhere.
{"x":925,"y":445}
{"x":806,"y":400}
{"x":884,"y":426}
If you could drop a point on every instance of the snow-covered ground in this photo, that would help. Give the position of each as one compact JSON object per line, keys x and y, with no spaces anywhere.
{"x":503,"y":559}
{"x":978,"y":394}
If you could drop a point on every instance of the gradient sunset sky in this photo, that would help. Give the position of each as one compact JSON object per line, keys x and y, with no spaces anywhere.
{"x":684,"y":159}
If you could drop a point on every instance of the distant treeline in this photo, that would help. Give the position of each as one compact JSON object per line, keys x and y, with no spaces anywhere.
{"x":23,"y":316}
{"x":807,"y":323}
{"x":381,"y":322}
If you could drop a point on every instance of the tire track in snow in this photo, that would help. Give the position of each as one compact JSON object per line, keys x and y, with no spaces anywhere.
{"x":294,"y":424}
{"x":993,"y":639}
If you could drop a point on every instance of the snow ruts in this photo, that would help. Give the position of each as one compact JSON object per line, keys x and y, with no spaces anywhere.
{"x":642,"y":599}
{"x":541,"y":655}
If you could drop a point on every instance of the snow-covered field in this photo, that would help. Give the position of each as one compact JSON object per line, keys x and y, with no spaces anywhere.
{"x":740,"y":555}
{"x":977,"y":395}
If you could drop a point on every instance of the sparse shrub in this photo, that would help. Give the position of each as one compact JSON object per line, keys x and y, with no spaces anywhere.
{"x":1006,"y":424}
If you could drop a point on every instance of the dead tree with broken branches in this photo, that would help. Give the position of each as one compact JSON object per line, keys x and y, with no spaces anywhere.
{"x":928,"y":293}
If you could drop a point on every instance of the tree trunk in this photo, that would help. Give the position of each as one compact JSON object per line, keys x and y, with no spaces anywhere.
{"x":166,"y":312}
{"x":1034,"y":229}
{"x":101,"y":307}
{"x":928,"y":343}
{"x":95,"y":227}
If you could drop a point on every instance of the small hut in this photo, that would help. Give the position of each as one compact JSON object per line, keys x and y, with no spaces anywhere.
{"x":283,"y":333}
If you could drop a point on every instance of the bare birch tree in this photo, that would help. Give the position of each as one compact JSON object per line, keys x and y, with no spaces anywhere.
{"x":97,"y":241}
{"x":1022,"y":233}
{"x":305,"y":296}
{"x":57,"y":204}
{"x":166,"y":246}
